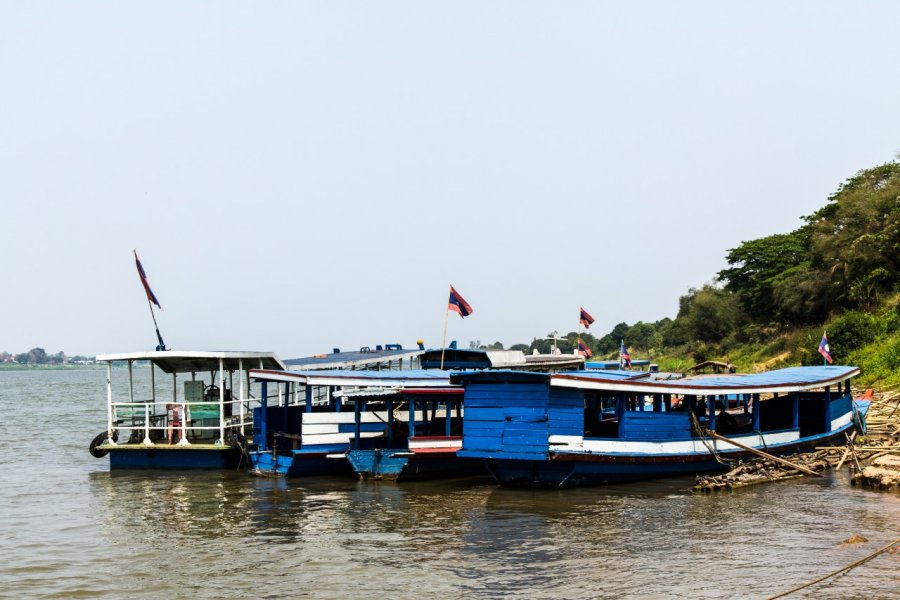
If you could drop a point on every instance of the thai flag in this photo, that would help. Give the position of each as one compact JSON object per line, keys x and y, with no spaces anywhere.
{"x":583,"y":350}
{"x":586,"y":319}
{"x":624,"y":357}
{"x":824,"y":350}
{"x":458,"y":304}
{"x":150,"y":295}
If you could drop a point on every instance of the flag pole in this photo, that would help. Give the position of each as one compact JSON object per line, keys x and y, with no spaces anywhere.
{"x":444,"y":338}
{"x":162,"y":344}
{"x":824,"y":337}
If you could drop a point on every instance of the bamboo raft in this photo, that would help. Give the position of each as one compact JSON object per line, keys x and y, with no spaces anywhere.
{"x":874,"y":458}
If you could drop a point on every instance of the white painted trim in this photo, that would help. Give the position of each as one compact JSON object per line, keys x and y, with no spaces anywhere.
{"x":414,"y":444}
{"x":841,"y":421}
{"x":692,"y":446}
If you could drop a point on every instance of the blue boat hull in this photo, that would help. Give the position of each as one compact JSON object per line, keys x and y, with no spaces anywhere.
{"x":175,"y":458}
{"x":299,"y":464}
{"x":402,"y":465}
{"x":574,"y":470}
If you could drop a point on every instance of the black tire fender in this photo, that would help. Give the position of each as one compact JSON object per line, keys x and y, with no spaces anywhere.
{"x":95,"y":447}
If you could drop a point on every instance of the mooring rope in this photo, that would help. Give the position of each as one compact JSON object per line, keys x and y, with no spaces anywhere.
{"x":722,"y":461}
{"x":838,"y":572}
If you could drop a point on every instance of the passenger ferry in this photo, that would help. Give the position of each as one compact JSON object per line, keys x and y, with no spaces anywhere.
{"x":198,"y":420}
{"x":599,"y":427}
{"x":378,"y":424}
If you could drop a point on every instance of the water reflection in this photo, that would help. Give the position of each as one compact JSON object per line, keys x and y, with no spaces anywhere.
{"x":72,"y":528}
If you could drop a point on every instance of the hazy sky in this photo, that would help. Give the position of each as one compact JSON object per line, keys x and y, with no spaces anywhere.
{"x":302,"y":175}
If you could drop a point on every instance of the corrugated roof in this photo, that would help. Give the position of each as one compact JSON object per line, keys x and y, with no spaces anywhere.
{"x":187,"y":361}
{"x":347,"y":360}
{"x":791,"y":379}
{"x":410,"y":378}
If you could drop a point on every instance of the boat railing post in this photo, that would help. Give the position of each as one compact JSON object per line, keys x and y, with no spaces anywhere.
{"x":183,"y":427}
{"x":147,"y":440}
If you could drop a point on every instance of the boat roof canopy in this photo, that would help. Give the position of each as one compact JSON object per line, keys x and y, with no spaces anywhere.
{"x":792,"y":379}
{"x":402,"y":379}
{"x":185,"y":361}
{"x":354,"y":359}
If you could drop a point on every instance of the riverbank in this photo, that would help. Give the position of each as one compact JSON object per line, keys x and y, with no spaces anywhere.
{"x":874,"y":458}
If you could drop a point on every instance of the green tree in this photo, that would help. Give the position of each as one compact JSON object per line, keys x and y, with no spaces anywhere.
{"x":757,"y":266}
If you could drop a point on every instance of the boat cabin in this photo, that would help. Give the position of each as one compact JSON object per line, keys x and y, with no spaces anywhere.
{"x":194,"y":420}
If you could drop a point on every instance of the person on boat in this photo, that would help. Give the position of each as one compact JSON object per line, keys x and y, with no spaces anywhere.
{"x":174,"y":420}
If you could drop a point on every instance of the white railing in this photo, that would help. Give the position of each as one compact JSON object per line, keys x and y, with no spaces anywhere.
{"x":184,"y":421}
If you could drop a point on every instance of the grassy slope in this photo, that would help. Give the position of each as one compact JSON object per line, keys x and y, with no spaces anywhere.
{"x":878,"y":360}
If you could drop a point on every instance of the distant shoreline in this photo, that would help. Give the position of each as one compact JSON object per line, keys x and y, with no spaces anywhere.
{"x":18,"y":367}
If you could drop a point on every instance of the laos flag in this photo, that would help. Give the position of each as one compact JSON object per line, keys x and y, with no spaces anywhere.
{"x":824,"y":350}
{"x":458,"y":304}
{"x":624,"y":357}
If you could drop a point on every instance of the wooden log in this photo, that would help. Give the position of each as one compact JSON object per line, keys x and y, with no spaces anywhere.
{"x":765,"y":454}
{"x":847,"y":451}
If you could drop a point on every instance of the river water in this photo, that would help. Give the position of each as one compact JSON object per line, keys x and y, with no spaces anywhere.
{"x":72,"y":529}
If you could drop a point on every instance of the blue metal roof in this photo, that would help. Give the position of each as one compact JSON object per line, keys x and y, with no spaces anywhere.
{"x":349,"y":377}
{"x":781,"y":380}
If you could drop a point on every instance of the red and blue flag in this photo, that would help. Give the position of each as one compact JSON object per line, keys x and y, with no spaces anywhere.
{"x":586,"y":319}
{"x":458,"y":304}
{"x":824,"y":350}
{"x":624,"y":357}
{"x":583,"y":350}
{"x":150,"y":295}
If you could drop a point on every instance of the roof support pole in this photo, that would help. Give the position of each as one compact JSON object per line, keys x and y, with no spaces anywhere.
{"x":756,"y":412}
{"x":263,"y":409}
{"x":109,"y":404}
{"x":357,"y":413}
{"x":447,"y":409}
{"x":827,"y":408}
{"x":390,"y":416}
{"x":795,"y":422}
{"x":221,"y":441}
{"x":241,"y":394}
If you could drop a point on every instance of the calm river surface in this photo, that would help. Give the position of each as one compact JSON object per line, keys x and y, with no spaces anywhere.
{"x":72,"y":529}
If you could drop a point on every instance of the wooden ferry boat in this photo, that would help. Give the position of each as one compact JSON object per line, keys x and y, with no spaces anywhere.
{"x":589,"y":428}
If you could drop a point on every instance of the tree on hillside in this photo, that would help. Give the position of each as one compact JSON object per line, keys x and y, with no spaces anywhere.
{"x":856,"y":238}
{"x":709,"y":314}
{"x":758,"y":266}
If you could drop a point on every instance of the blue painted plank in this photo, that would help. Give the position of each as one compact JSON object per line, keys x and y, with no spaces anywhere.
{"x":483,"y":414}
{"x":472,"y":442}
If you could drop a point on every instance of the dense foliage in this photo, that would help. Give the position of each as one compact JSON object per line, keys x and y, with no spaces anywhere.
{"x":840,"y":270}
